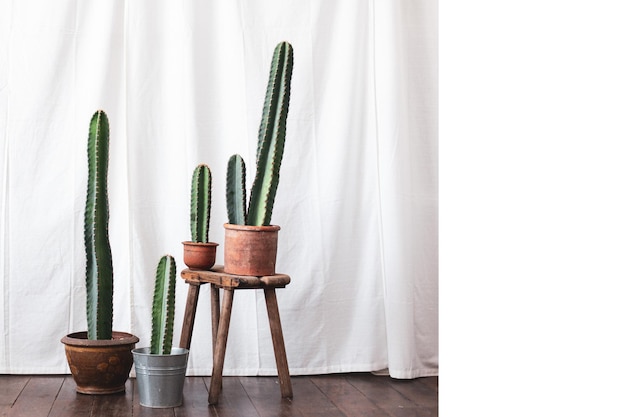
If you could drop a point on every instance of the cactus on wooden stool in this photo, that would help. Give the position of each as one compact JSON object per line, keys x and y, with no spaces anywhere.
{"x":200,"y":213}
{"x":270,"y":148}
{"x":163,"y":304}
{"x":199,"y":253}
{"x":99,"y":274}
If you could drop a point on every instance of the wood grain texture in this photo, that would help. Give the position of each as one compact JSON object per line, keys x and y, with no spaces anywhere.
{"x":120,"y":404}
{"x":223,"y":280}
{"x":69,"y":403}
{"x":419,"y":392}
{"x":37,"y":398}
{"x":220,"y":346}
{"x":220,"y":319}
{"x":399,"y":398}
{"x":233,"y":401}
{"x":189,"y":318}
{"x":12,"y":386}
{"x":265,"y":395}
{"x":310,"y":401}
{"x":278,"y":342}
{"x":335,"y":395}
{"x":195,"y":394}
{"x":215,"y":314}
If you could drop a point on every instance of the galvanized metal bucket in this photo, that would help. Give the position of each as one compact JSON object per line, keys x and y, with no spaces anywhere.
{"x":160,"y":378}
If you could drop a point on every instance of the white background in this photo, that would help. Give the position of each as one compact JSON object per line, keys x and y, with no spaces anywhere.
{"x":183,"y":83}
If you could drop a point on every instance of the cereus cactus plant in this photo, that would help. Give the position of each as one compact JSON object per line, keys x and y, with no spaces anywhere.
{"x":85,"y":350}
{"x":161,"y":368}
{"x":163,"y":304}
{"x":270,"y":147}
{"x":200,"y":212}
{"x":199,"y":253}
{"x":99,"y":274}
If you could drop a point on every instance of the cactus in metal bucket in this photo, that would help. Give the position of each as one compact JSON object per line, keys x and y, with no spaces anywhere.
{"x":200,"y":214}
{"x":270,"y":146}
{"x":99,"y":273}
{"x":163,"y":304}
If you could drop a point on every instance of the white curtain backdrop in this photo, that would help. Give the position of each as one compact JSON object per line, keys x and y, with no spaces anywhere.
{"x":183,"y":83}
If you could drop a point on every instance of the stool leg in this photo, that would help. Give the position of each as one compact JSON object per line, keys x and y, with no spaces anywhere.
{"x":220,"y":346}
{"x":190,"y":315}
{"x":279,"y":343}
{"x":215,"y":316}
{"x":215,"y":312}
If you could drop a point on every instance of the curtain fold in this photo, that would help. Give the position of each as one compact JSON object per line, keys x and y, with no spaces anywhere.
{"x":183,"y":83}
{"x":405,"y":64}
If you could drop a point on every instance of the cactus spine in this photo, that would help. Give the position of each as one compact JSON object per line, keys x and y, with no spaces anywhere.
{"x":163,"y":304}
{"x":99,"y":274}
{"x":200,"y":204}
{"x":270,"y":146}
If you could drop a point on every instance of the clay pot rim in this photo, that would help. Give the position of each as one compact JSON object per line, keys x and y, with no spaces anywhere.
{"x":190,"y":243}
{"x":248,"y":228}
{"x":80,"y":339}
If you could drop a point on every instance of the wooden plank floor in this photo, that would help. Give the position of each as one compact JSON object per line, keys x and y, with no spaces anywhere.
{"x":336,"y":395}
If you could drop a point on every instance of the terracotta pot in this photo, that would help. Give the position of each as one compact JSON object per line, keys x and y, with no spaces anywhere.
{"x":199,"y":255}
{"x":100,"y":366}
{"x":250,"y":250}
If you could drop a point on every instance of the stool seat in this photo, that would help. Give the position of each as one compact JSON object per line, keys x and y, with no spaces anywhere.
{"x":218,"y":277}
{"x":220,"y":318}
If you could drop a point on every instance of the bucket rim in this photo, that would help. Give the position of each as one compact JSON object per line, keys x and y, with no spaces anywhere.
{"x":145,"y":351}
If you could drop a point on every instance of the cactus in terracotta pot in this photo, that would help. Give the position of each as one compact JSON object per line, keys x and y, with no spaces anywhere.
{"x":99,"y":274}
{"x":270,"y":148}
{"x":163,"y":303}
{"x":250,"y":241}
{"x":85,"y":350}
{"x":199,"y":253}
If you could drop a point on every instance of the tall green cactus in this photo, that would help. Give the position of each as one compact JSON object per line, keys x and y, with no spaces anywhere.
{"x":163,"y":305}
{"x":99,"y":274}
{"x":272,"y":132}
{"x":200,"y":204}
{"x":270,"y":146}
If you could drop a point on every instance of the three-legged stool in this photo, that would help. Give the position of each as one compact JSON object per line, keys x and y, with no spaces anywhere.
{"x":221,"y":320}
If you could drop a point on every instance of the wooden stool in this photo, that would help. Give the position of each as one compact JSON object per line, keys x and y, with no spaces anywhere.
{"x":221,"y":321}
